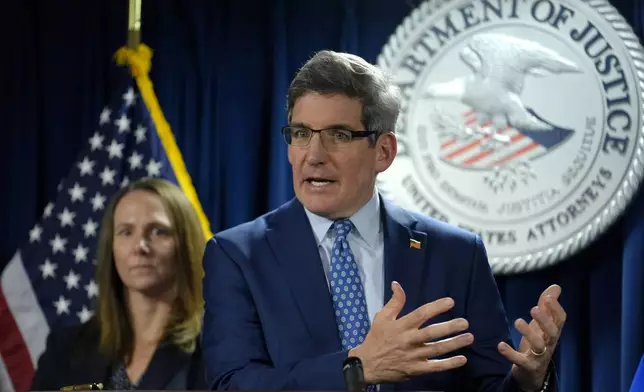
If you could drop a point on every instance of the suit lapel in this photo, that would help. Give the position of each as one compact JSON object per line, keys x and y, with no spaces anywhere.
{"x":404,"y":259}
{"x":404,"y":254}
{"x":166,"y":362}
{"x":292,"y":240}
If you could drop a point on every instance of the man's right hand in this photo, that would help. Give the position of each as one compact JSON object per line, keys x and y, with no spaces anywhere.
{"x":397,"y":349}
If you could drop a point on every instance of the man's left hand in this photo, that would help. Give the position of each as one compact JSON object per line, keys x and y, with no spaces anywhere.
{"x":540,"y":337}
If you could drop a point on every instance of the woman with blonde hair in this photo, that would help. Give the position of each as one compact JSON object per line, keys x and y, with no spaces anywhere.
{"x":145,"y":334}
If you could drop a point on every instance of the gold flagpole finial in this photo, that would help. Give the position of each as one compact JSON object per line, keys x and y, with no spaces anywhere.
{"x":134,"y":24}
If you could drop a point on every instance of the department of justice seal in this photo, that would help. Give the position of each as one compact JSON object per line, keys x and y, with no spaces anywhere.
{"x":521,"y":122}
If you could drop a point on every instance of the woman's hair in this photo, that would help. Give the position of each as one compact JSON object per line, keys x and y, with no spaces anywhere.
{"x":184,"y":325}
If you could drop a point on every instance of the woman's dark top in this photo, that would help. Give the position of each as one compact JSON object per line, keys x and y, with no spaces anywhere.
{"x":72,"y":358}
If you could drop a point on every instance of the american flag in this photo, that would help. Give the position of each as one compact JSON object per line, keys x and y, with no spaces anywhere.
{"x":49,"y":282}
{"x":470,"y":152}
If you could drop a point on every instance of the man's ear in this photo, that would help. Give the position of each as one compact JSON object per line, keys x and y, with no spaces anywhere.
{"x":386,"y":150}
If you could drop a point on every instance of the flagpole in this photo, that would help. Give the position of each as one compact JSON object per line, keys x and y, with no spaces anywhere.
{"x":138,"y":57}
{"x":134,"y":24}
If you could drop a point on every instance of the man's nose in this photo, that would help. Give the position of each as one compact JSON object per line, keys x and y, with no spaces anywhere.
{"x":316,"y":151}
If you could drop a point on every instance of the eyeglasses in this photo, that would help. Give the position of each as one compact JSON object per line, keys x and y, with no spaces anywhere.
{"x":298,"y":136}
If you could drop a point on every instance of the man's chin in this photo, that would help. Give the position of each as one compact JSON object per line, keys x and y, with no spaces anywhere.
{"x":319,"y":205}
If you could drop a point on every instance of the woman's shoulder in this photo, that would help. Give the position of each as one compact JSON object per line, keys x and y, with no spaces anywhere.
{"x":72,"y":338}
{"x":70,"y":353}
{"x":88,"y":329}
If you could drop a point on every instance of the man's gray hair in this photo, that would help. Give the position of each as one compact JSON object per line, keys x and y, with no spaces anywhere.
{"x":329,"y":72}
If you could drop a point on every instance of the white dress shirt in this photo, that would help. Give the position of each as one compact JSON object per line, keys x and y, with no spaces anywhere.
{"x":366,"y":243}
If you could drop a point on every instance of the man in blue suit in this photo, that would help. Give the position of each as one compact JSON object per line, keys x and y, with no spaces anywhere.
{"x":340,"y":271}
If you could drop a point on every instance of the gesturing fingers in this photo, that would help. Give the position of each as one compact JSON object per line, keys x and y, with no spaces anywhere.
{"x":553,"y":291}
{"x":438,"y":365}
{"x":416,"y":318}
{"x":435,"y":349}
{"x":546,"y":323}
{"x":439,"y":330}
{"x":549,"y":300}
{"x":557,"y":311}
{"x":532,"y":335}
{"x":519,"y":359}
{"x":393,"y":307}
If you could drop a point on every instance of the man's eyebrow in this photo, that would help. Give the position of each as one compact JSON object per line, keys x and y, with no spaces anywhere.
{"x":299,"y":124}
{"x":331,"y":126}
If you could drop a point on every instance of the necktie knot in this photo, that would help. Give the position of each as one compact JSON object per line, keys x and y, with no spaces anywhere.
{"x":342,"y":228}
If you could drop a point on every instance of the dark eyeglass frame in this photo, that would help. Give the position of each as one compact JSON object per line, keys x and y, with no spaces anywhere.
{"x":354,"y":134}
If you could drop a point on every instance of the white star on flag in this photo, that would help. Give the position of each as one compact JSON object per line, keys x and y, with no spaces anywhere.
{"x":98,"y":202}
{"x":107,"y":176}
{"x":62,"y":305}
{"x":66,"y":218}
{"x":72,"y":280}
{"x":85,"y":314}
{"x":48,"y":269}
{"x":80,"y":253}
{"x":96,"y":141}
{"x":35,"y":233}
{"x":48,"y":210}
{"x":135,"y":160}
{"x":92,"y":289}
{"x":105,"y":116}
{"x":86,"y":167}
{"x":129,"y":97}
{"x":140,"y":133}
{"x":77,"y":193}
{"x":115,"y":149}
{"x":153,"y":168}
{"x":123,"y":123}
{"x":89,"y":228}
{"x":58,"y":244}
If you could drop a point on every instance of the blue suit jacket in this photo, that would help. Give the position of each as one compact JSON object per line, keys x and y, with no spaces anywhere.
{"x":269,"y":320}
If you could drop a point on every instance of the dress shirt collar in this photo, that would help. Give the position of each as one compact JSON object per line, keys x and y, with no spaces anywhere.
{"x":366,"y":222}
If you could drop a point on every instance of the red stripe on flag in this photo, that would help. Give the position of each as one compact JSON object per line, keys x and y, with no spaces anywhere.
{"x":466,"y":147}
{"x":485,"y":153}
{"x":472,"y":117}
{"x":477,"y":157}
{"x":448,"y":143}
{"x":13,"y":349}
{"x":517,"y":153}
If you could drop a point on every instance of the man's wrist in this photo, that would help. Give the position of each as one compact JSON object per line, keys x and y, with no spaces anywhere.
{"x":357,"y":352}
{"x":546,"y":382}
{"x":544,"y":386}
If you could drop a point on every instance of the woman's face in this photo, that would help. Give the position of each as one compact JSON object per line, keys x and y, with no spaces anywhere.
{"x":144,"y":246}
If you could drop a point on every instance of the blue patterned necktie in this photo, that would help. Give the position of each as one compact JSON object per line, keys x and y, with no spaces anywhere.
{"x":346,"y":288}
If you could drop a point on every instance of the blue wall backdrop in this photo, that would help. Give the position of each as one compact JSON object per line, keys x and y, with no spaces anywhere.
{"x":221,"y":69}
